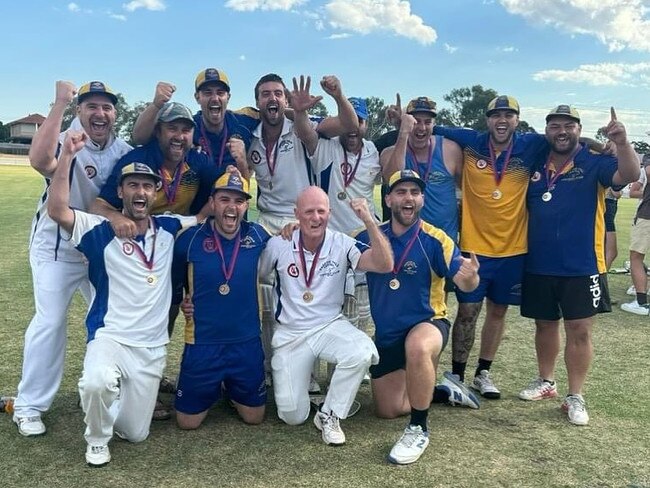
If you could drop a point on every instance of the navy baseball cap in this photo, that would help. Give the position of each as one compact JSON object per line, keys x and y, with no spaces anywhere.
{"x":502,"y":102}
{"x":421,"y":105}
{"x":405,"y":175}
{"x":139,"y":169}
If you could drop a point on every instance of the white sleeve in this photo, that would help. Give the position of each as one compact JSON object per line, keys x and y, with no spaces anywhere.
{"x":83,"y":222}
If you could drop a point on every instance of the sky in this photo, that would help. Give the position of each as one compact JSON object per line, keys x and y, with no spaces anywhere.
{"x":591,"y":54}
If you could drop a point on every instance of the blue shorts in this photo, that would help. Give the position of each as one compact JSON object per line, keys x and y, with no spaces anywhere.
{"x":500,"y":281}
{"x":393,"y":357}
{"x":239,"y":366}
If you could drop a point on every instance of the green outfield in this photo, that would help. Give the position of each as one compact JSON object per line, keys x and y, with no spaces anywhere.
{"x":507,"y":443}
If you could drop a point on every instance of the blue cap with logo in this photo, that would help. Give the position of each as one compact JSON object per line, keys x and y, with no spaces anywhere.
{"x":233,"y":182}
{"x":360,"y":107}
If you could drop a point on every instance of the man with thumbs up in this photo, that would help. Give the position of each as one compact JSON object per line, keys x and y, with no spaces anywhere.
{"x":565,"y":267}
{"x":410,"y":315}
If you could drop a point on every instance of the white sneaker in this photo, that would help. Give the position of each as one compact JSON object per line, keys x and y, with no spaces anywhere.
{"x":576,"y":407}
{"x":459,"y":394}
{"x":485,"y":386}
{"x":410,"y":446}
{"x":631,"y":291}
{"x":30,"y":426}
{"x":330,"y":428}
{"x":634,"y":307}
{"x":539,"y":389}
{"x":97,"y":456}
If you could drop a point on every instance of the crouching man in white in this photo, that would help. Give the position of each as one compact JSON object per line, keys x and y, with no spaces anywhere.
{"x":127,"y":320}
{"x":310,"y":272}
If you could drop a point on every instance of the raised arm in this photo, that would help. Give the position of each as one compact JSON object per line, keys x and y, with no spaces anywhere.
{"x":394,"y":159}
{"x":301,"y":101}
{"x":145,"y":124}
{"x":58,"y":203}
{"x":628,"y":162}
{"x":379,"y":258}
{"x":346,"y":121}
{"x":43,"y":149}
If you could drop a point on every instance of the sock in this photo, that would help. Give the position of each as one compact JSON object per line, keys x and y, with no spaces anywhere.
{"x":482,"y":364}
{"x":419,"y":417}
{"x":641,"y":298}
{"x":440,"y":395}
{"x":459,"y":369}
{"x":550,"y":382}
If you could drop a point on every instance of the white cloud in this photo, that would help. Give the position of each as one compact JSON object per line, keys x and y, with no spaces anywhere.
{"x":344,"y":35}
{"x":365,"y":16}
{"x":509,"y":49}
{"x":603,"y":74}
{"x":146,"y":4}
{"x":242,"y":58}
{"x":449,"y":48}
{"x":118,"y":17}
{"x":618,"y":24}
{"x":73,"y":7}
{"x":250,"y":5}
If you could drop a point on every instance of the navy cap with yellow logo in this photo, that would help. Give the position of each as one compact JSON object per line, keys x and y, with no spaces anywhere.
{"x":142,"y":169}
{"x":405,"y":175}
{"x":233,"y":182}
{"x":502,"y":102}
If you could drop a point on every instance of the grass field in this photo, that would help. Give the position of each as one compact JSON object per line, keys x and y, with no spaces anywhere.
{"x":507,"y":443}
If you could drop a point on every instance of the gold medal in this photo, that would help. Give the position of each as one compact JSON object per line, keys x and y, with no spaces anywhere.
{"x":307,"y":296}
{"x":481,"y":164}
{"x":224,"y":289}
{"x":547,"y":196}
{"x":342,"y":195}
{"x":152,"y":280}
{"x":496,"y":194}
{"x":394,"y":284}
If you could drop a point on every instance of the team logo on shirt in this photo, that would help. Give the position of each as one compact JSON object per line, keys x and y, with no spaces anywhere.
{"x":292,"y":270}
{"x":329,"y":268}
{"x":573,"y":174}
{"x":536,"y":176}
{"x":436,"y":177}
{"x":285,"y":145}
{"x":481,"y":164}
{"x":91,"y":171}
{"x":255,"y":157}
{"x":346,"y":168}
{"x":208,"y":244}
{"x":127,"y":248}
{"x":247,"y":242}
{"x":410,"y":267}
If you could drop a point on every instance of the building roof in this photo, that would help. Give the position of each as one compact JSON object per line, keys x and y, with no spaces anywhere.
{"x":30,"y":119}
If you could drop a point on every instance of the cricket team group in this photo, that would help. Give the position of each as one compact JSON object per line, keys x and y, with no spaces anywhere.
{"x":166,"y":226}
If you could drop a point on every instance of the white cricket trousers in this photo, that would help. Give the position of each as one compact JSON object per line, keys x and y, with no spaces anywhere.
{"x":54,"y":282}
{"x":118,"y":390}
{"x":294,"y":352}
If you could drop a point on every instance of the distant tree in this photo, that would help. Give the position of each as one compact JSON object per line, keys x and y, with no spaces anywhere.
{"x":641,"y":147}
{"x":467,"y":107}
{"x":4,"y":132}
{"x":376,"y":123}
{"x":525,"y":127}
{"x":600,"y":135}
{"x":318,"y":110}
{"x":124,"y":120}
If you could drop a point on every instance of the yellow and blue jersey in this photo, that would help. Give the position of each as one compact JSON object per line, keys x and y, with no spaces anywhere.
{"x":566,"y":234}
{"x":220,"y":319}
{"x":494,"y":227}
{"x":420,"y":296}
{"x":197,"y":175}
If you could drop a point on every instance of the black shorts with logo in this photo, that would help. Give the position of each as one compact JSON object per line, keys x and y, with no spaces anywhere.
{"x":546,"y":297}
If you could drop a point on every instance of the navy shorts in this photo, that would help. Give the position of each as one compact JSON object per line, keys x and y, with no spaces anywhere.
{"x":500,"y":281}
{"x":569,"y":297}
{"x":611,"y":207}
{"x":239,"y":366}
{"x":393,"y":357}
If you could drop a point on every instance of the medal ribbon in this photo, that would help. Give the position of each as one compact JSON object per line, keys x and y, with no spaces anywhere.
{"x":417,"y":163}
{"x":140,"y":251}
{"x":170,"y":190}
{"x":208,"y":147}
{"x":347,"y":179}
{"x":233,"y":259}
{"x":407,"y":248}
{"x":271,"y":156}
{"x":498,"y":175}
{"x":309,"y":277}
{"x":550,"y":180}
